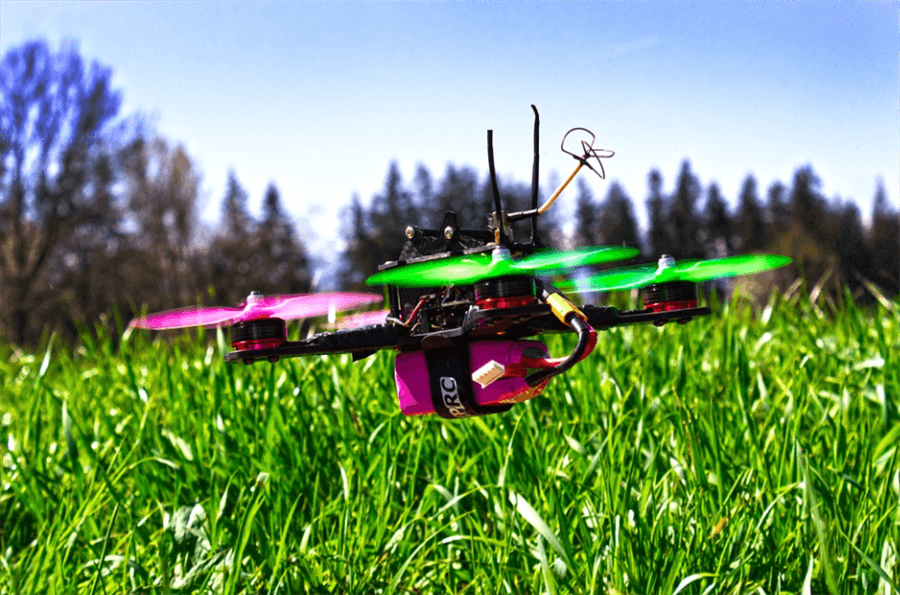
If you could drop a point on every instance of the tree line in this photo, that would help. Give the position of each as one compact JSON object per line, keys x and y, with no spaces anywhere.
{"x":826,"y":239}
{"x":99,"y":214}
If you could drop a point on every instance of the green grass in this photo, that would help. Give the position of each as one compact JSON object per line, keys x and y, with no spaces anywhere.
{"x":739,"y":453}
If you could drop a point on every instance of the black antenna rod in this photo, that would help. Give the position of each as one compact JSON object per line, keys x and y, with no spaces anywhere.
{"x":535,"y":173}
{"x":498,"y":210}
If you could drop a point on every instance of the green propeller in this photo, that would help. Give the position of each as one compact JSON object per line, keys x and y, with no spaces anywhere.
{"x":668,"y":270}
{"x":471,"y":268}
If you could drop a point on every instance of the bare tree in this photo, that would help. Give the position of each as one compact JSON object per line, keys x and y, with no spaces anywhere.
{"x":161,"y":191}
{"x":56,"y":206}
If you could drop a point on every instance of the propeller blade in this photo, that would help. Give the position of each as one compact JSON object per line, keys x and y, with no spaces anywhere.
{"x":307,"y":306}
{"x":610,"y":280}
{"x":730,"y":266}
{"x":186,"y":317}
{"x":551,"y":260}
{"x":471,"y":268}
{"x":362,"y":319}
{"x":286,"y":307}
{"x":684,"y":270}
{"x":461,"y":270}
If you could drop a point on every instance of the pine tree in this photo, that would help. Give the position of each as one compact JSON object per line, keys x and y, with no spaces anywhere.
{"x":424,"y":194}
{"x":394,"y":205}
{"x":659,"y":235}
{"x":808,"y":207}
{"x":586,"y":232}
{"x":392,"y":211}
{"x":234,"y":258}
{"x":717,"y":224}
{"x":806,"y":229}
{"x":683,"y":215}
{"x":461,"y":193}
{"x":617,"y":225}
{"x":778,"y":211}
{"x":357,"y":261}
{"x":750,"y":222}
{"x":237,"y":222}
{"x":855,"y":256}
{"x":287,"y":267}
{"x":885,"y":242}
{"x":377,"y":235}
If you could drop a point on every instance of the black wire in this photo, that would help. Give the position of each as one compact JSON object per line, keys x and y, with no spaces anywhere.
{"x":535,"y":173}
{"x":584,"y":335}
{"x":498,"y":210}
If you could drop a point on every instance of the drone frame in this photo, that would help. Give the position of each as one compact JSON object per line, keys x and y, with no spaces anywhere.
{"x":462,"y":321}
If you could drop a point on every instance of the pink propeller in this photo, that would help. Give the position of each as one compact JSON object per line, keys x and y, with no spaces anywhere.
{"x":362,"y":319}
{"x":286,"y":307}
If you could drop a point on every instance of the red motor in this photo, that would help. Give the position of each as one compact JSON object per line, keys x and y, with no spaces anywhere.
{"x":667,"y":297}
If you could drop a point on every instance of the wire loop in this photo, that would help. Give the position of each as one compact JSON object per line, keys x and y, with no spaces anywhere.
{"x":588,"y":152}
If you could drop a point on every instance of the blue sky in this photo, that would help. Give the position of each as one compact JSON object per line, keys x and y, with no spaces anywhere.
{"x":319,"y":98}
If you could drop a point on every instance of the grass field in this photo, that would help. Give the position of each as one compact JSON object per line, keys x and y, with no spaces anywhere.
{"x":741,"y":453}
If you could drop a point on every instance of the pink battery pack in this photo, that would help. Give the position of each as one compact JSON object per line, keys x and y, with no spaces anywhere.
{"x":414,"y":388}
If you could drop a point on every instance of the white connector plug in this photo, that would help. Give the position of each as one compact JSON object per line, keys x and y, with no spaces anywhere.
{"x":488,"y":373}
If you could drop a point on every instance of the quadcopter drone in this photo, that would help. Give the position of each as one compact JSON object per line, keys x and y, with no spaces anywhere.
{"x":464,"y":304}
